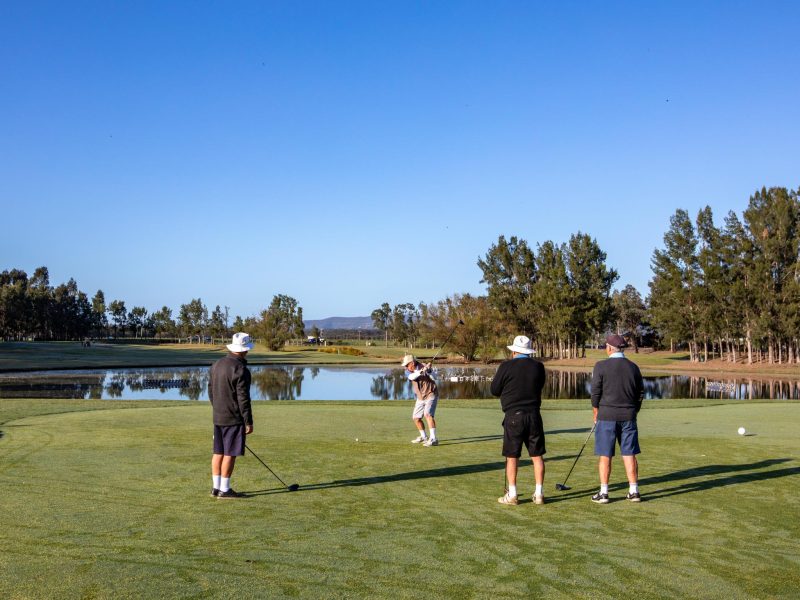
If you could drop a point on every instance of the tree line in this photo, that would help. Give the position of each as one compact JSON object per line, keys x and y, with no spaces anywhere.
{"x":732,"y":290}
{"x":31,"y":308}
{"x":729,"y":291}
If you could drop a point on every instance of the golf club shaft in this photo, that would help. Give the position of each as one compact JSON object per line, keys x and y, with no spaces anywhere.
{"x":460,"y":322}
{"x":586,"y":441}
{"x":265,"y":464}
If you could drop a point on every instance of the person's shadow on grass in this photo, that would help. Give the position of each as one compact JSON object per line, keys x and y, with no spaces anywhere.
{"x":409,"y":475}
{"x":485,"y":438}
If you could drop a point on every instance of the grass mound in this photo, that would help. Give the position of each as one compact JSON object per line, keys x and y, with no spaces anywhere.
{"x":102,"y":503}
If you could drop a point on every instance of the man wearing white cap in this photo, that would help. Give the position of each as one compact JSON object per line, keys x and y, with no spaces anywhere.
{"x":229,"y":394}
{"x":427,"y":397}
{"x":519,"y":384}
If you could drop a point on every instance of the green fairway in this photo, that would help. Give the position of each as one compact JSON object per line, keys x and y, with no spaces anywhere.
{"x":110,"y":500}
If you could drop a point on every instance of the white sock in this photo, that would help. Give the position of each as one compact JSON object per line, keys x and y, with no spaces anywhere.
{"x":433,"y":433}
{"x":422,"y":434}
{"x":224,"y":484}
{"x":633,"y":488}
{"x":538,"y":491}
{"x":215,"y":481}
{"x":512,"y":490}
{"x":604,"y":488}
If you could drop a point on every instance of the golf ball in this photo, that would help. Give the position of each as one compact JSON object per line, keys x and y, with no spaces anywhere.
{"x":742,"y":431}
{"x":356,"y":439}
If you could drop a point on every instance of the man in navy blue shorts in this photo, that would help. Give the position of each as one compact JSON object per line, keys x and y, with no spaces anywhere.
{"x":617,"y":392}
{"x":229,"y":394}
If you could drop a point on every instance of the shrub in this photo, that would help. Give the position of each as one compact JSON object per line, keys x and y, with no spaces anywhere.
{"x":350,"y":351}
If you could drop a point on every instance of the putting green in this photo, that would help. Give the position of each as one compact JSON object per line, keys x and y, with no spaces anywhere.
{"x":115,"y":504}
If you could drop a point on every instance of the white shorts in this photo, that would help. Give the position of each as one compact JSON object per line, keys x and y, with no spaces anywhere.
{"x":425,"y":408}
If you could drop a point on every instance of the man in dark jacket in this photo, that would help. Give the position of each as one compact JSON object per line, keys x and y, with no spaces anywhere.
{"x":519,"y":384}
{"x":617,"y":392}
{"x":229,"y":394}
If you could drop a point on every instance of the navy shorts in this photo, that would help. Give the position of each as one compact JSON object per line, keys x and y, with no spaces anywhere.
{"x":608,"y":433}
{"x":229,"y":440}
{"x":520,"y":427}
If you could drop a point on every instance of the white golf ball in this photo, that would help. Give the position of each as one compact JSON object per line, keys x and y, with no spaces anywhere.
{"x":742,"y":431}
{"x":356,"y":439}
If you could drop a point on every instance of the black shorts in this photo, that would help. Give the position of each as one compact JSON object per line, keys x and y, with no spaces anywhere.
{"x":520,"y":427}
{"x":229,"y":440}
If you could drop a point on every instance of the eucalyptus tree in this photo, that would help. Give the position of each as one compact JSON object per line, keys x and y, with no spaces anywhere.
{"x":629,"y":313}
{"x":163,"y":323}
{"x":193,"y":318}
{"x":382,"y":319}
{"x":478,"y":335}
{"x":280,"y":322}
{"x":137,"y":319}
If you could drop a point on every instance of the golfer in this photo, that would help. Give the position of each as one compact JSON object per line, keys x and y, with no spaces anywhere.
{"x":229,"y":394}
{"x":427,"y":397}
{"x":617,"y":392}
{"x":519,"y":384}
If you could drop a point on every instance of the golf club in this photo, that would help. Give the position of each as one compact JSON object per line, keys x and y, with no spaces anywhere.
{"x":564,"y":486}
{"x":292,"y":488}
{"x":460,"y":322}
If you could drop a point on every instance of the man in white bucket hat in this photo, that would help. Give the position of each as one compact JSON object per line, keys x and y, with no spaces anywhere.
{"x":229,"y":394}
{"x":519,"y":384}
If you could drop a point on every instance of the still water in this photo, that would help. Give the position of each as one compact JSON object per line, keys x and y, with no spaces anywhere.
{"x":348,"y":383}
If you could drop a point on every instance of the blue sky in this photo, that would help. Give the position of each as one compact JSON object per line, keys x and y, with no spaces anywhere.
{"x":351,"y":153}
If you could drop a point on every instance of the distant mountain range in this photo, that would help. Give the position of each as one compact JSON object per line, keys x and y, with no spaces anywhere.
{"x":339,"y":323}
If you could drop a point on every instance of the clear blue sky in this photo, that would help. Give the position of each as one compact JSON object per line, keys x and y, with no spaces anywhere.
{"x":351,"y":153}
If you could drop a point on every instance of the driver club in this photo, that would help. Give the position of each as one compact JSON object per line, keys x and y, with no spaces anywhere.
{"x":292,"y":488}
{"x":564,"y":486}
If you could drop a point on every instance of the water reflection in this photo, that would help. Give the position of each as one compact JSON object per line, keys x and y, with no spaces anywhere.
{"x":361,"y":383}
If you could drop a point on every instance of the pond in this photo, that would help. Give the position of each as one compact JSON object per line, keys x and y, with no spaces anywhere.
{"x":290,"y":382}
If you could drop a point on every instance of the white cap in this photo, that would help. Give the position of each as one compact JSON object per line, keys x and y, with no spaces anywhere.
{"x":408,"y":358}
{"x":522,"y":344}
{"x":241,"y":343}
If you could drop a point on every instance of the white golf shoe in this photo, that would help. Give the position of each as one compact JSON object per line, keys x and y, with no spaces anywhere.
{"x":431,"y":442}
{"x":419,"y":440}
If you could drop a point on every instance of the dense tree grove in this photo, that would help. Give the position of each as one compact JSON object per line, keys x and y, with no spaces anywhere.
{"x":559,"y":296}
{"x":734,"y":290}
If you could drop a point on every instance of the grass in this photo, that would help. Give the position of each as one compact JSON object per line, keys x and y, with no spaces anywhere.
{"x":110,"y":500}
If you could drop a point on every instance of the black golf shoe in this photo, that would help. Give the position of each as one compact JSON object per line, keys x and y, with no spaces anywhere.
{"x":634,"y":497}
{"x":214,"y":492}
{"x":599,"y":498}
{"x":229,"y":495}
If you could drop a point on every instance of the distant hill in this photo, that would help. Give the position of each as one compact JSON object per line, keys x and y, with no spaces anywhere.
{"x":340,"y":323}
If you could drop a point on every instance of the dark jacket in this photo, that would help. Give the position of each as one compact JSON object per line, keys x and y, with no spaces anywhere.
{"x":229,"y":391}
{"x":617,"y":389}
{"x":519,"y":384}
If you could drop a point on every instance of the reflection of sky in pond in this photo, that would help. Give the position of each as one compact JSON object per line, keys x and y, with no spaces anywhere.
{"x":299,"y":382}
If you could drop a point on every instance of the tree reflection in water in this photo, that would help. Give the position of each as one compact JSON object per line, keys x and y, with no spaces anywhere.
{"x":279,"y":384}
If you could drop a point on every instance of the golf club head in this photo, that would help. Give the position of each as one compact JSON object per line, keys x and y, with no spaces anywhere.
{"x":294,"y":487}
{"x":562,"y":487}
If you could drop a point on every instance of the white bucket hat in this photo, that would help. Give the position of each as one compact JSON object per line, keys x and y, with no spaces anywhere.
{"x":408,"y":358}
{"x":241,"y":343}
{"x":522,"y":344}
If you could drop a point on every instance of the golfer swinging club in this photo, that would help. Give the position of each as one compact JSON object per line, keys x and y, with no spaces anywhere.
{"x":427,"y":397}
{"x":519,"y":384}
{"x":229,"y":394}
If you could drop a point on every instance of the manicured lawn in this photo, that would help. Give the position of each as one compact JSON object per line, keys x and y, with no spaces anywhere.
{"x":71,"y":355}
{"x":110,"y":500}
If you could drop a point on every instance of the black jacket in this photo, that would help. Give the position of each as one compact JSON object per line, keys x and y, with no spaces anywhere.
{"x":229,"y":391}
{"x":519,"y":384}
{"x":617,"y":389}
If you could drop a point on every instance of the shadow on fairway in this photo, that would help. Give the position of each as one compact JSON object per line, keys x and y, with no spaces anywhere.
{"x":486,"y":438}
{"x":734,"y":474}
{"x":378,"y":479}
